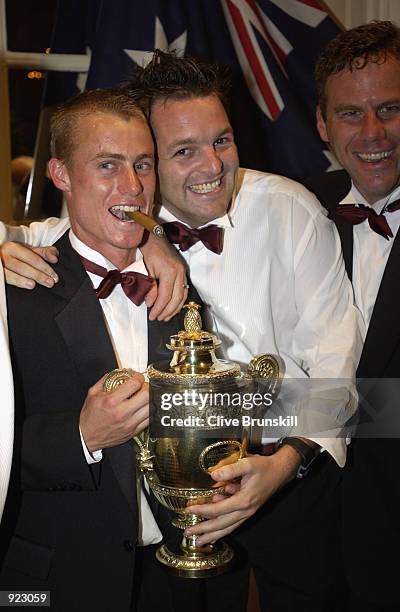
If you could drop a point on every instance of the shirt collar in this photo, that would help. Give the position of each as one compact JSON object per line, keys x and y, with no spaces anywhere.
{"x":355,"y":196}
{"x":165,"y":216}
{"x":82,"y":249}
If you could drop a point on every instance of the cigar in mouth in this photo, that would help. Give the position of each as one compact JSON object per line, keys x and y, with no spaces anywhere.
{"x":147,"y":222}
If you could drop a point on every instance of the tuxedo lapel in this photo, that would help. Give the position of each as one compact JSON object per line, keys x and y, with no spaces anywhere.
{"x":384,"y":329}
{"x":159,"y":333}
{"x":346,"y":238}
{"x":330,"y":188}
{"x":82,"y":326}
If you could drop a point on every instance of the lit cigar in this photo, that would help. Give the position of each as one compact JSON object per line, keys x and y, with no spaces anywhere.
{"x":147,"y":222}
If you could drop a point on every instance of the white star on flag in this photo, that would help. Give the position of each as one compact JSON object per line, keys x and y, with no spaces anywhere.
{"x":334,"y":164}
{"x":142,"y":58}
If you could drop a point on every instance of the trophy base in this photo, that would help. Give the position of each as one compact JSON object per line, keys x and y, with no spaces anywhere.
{"x":207,"y":561}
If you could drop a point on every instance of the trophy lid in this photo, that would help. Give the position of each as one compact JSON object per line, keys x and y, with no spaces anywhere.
{"x":194,"y":353}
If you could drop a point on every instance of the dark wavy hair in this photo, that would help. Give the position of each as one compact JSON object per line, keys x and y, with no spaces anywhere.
{"x":353,"y":49}
{"x":169,"y":76}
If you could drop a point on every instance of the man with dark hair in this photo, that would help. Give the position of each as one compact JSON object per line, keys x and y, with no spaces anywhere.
{"x":227,"y":222}
{"x":358,"y":80}
{"x":180,"y":79}
{"x":74,"y":510}
{"x":267,"y":262}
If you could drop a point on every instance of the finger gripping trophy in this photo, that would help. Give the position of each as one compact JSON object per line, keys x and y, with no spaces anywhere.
{"x":196,"y":407}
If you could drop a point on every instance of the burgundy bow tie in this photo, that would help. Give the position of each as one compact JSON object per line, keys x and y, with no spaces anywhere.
{"x":211,"y":236}
{"x":356,"y":214}
{"x":134,"y":284}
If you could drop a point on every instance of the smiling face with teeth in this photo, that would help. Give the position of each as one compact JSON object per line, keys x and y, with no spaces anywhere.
{"x":362,"y":125}
{"x":110,"y":171}
{"x":197,"y":157}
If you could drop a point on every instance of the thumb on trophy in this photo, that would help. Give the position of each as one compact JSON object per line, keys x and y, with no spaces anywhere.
{"x":231,"y":471}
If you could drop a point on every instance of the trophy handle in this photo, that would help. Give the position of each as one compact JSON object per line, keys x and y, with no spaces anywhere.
{"x":268,"y":368}
{"x":144,"y":460}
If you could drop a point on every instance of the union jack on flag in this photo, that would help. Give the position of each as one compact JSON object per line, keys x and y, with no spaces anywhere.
{"x":244,"y":18}
{"x":271,"y":46}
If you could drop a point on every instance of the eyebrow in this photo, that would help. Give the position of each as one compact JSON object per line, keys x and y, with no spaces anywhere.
{"x":180,"y":143}
{"x":389,"y":102}
{"x":188,"y":141}
{"x":349,"y":106}
{"x":120,"y":157}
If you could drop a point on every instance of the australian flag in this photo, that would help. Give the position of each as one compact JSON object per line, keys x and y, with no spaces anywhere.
{"x":270,"y":45}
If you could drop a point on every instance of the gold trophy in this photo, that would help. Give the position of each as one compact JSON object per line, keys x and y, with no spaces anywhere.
{"x":196,"y":407}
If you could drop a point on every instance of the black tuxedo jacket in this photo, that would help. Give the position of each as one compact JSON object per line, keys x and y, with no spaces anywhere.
{"x":76,"y":527}
{"x":371,"y":483}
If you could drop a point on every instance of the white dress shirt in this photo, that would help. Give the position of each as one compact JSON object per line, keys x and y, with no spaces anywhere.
{"x":127,"y":328}
{"x":38,"y":233}
{"x":370,"y":254}
{"x":7,"y":400}
{"x":280,"y":287}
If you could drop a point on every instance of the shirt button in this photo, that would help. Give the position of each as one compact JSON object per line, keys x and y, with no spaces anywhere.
{"x":128,"y":545}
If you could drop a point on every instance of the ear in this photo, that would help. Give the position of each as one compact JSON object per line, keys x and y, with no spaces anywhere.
{"x":321,"y":125}
{"x":59,"y":174}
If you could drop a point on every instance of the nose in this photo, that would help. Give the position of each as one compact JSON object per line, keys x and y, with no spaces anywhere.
{"x":210,"y":161}
{"x":373,"y":127}
{"x":129,"y":182}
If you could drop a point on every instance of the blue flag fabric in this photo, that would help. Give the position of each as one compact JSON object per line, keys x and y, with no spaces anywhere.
{"x":73,"y":33}
{"x":270,"y":45}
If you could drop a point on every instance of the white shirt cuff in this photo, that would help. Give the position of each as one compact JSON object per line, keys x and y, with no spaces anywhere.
{"x":336,"y":447}
{"x":91,"y":458}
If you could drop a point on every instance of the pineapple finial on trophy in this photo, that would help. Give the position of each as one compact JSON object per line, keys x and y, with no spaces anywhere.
{"x":192,"y":321}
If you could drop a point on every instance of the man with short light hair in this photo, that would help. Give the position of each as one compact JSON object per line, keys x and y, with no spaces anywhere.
{"x":80,"y":527}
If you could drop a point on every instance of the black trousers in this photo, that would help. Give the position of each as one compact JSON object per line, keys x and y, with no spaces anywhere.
{"x":155,"y":588}
{"x":354,"y":604}
{"x":151,"y":588}
{"x":293,"y":545}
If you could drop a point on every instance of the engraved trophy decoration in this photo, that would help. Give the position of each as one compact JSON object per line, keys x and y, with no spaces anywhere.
{"x":196,"y":404}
